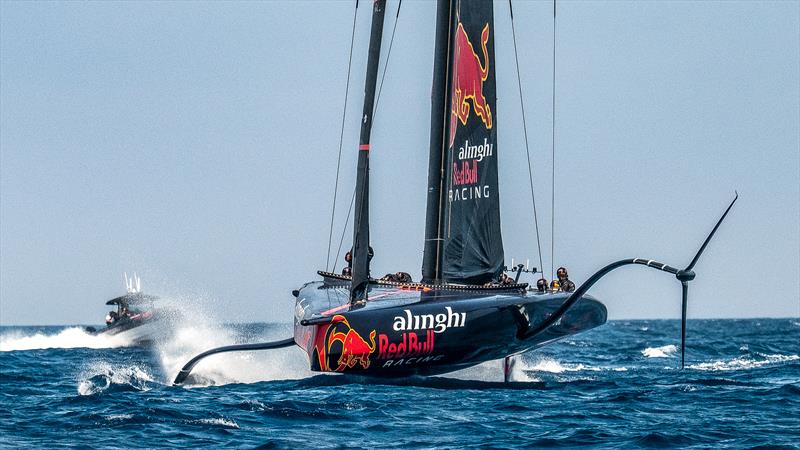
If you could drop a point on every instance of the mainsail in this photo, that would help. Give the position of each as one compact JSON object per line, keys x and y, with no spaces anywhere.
{"x":472,"y":245}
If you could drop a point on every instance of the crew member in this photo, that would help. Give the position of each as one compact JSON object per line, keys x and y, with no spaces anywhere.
{"x":348,"y":270}
{"x":505,"y":280}
{"x":403,"y":277}
{"x":397,"y":277}
{"x":541,"y":286}
{"x":389,"y":277}
{"x":554,"y":286}
{"x":348,"y":257}
{"x":564,"y":281}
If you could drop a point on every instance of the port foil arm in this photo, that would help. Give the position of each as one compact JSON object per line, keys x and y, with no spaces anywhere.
{"x":187,"y":368}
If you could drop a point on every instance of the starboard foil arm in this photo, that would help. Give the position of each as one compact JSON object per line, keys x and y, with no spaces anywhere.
{"x":684,"y":276}
{"x":187,"y":369}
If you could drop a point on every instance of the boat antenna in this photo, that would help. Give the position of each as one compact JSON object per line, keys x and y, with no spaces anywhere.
{"x":341,"y":138}
{"x":527,"y":149}
{"x":553,"y":149}
{"x":133,"y":285}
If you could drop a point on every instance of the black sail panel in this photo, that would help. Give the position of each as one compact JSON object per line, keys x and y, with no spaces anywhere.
{"x":473,"y":245}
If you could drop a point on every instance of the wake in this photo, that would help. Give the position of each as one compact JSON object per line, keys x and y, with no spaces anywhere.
{"x":196,"y":329}
{"x":73,"y":337}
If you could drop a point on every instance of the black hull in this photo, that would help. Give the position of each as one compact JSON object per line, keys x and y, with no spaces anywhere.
{"x":142,"y":333}
{"x":405,"y":331}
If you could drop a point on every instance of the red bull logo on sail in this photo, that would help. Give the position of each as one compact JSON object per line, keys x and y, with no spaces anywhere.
{"x":468,"y":78}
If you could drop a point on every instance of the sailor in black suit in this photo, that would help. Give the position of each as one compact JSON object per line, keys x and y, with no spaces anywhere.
{"x":565,"y":285}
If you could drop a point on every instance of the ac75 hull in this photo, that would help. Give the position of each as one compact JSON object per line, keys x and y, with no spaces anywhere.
{"x":402,"y":332}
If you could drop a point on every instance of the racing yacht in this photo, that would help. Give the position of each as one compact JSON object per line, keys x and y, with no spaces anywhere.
{"x":466,"y":309}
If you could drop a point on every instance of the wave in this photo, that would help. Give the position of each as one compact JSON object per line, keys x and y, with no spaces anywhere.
{"x":745,"y":362}
{"x":218,"y":421}
{"x":74,"y":337}
{"x":102,"y":376}
{"x":119,"y":417}
{"x":665,"y":351}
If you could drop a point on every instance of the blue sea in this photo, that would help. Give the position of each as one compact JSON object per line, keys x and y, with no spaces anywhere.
{"x":619,"y":385}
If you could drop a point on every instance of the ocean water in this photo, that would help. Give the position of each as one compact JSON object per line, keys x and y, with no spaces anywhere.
{"x":617,"y":386}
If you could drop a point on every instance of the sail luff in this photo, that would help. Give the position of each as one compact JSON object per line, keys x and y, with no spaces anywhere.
{"x":431,"y":261}
{"x":360,"y":254}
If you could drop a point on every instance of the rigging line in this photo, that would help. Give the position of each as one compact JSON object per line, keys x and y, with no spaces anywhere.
{"x":341,"y":137}
{"x":386,"y":64}
{"x":344,"y":230}
{"x":525,"y":130}
{"x":553,"y":173}
{"x":374,"y":112}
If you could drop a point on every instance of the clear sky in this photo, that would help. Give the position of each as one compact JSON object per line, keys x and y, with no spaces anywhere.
{"x":196,"y":143}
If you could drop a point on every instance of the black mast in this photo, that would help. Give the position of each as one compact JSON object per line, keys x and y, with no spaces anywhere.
{"x":431,"y":261}
{"x":358,"y":287}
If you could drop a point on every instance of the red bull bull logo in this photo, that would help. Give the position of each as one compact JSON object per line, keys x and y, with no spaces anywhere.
{"x":355,"y":350}
{"x":468,"y":78}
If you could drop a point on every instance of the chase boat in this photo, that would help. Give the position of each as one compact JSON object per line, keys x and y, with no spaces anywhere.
{"x":135,"y":317}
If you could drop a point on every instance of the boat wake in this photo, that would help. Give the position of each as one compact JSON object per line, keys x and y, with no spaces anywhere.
{"x":528,"y":368}
{"x":754,"y":361}
{"x":102,"y":377}
{"x":198,"y":331}
{"x":74,"y":337}
{"x":539,"y":368}
{"x":552,"y":366}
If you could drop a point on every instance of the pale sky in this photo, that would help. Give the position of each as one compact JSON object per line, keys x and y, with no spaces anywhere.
{"x":196,"y":144}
